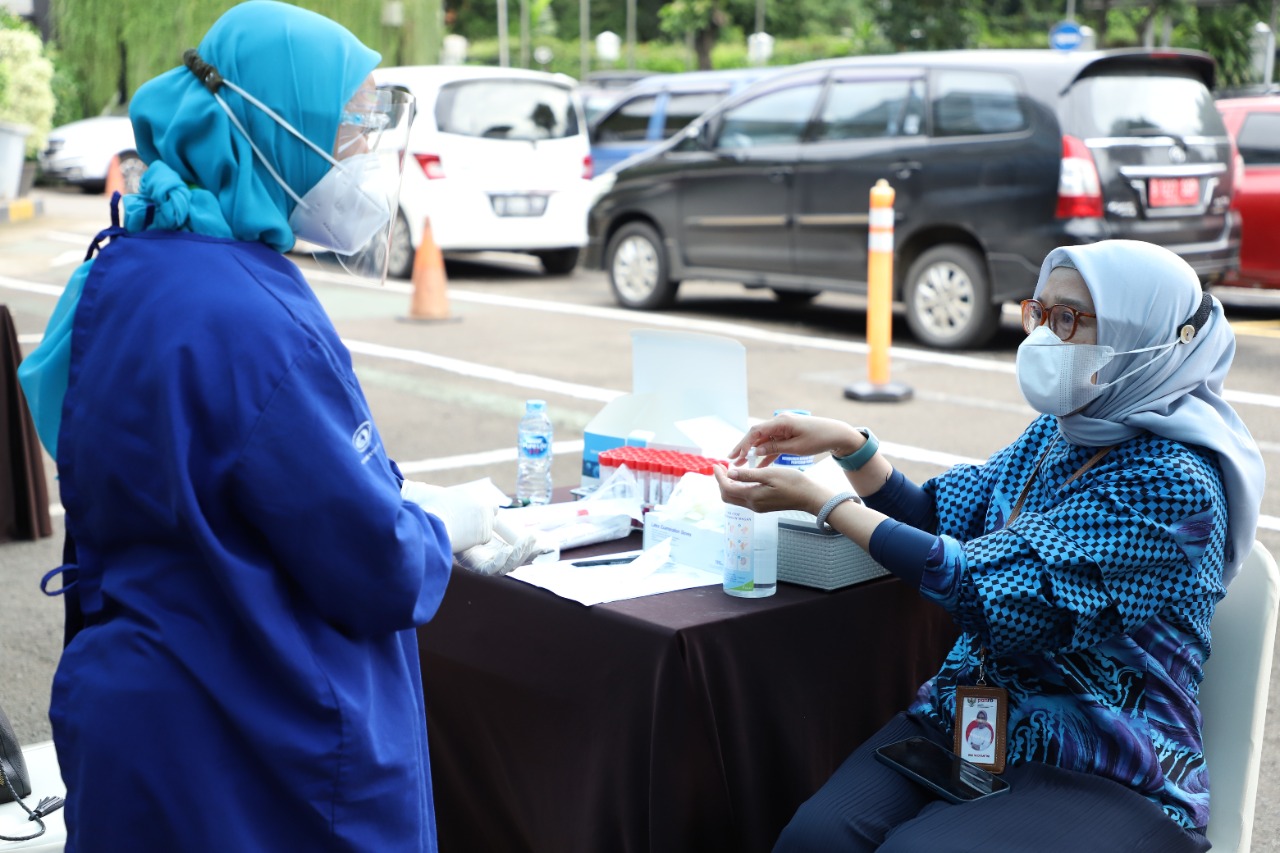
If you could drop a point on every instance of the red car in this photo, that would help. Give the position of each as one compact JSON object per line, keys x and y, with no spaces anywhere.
{"x":1254,"y":124}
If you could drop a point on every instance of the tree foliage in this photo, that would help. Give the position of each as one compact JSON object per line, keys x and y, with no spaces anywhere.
{"x":927,"y":24}
{"x":111,"y":48}
{"x":702,"y":20}
{"x":105,"y":50}
{"x":26,"y":81}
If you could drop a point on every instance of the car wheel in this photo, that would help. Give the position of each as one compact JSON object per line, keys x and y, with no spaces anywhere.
{"x":637,"y":265}
{"x":559,"y":262}
{"x":401,"y":251}
{"x":948,"y":298}
{"x":131,"y":170}
{"x":795,"y":297}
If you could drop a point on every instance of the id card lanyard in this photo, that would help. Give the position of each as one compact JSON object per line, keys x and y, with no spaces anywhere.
{"x":982,"y":712}
{"x":981,"y":716}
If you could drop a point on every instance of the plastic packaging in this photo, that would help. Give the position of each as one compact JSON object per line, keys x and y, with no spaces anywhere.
{"x":750,"y":552}
{"x":608,"y":513}
{"x":533,"y":472}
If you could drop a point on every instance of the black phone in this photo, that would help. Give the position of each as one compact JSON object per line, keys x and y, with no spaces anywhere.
{"x":941,"y":770}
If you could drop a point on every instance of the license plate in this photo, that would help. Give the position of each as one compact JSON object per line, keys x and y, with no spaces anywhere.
{"x":519,"y":205}
{"x":1173,"y":192}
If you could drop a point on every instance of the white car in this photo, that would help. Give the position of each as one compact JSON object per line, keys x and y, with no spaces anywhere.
{"x":80,"y":153}
{"x":498,"y":160}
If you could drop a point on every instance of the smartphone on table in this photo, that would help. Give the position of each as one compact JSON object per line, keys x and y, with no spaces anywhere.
{"x":941,"y":770}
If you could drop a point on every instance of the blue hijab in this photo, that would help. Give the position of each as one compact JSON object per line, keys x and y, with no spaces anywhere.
{"x":1143,"y":294}
{"x":302,"y":65}
{"x":202,"y":175}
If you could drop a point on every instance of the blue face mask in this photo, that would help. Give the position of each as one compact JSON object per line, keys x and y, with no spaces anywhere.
{"x":1057,"y":378}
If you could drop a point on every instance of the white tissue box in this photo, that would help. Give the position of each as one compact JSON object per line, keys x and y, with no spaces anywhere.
{"x":693,"y":543}
{"x":821,"y":558}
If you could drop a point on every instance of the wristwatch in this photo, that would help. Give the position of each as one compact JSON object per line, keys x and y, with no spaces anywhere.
{"x":862,"y":455}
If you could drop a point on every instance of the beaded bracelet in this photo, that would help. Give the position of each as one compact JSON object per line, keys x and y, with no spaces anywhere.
{"x":829,"y":506}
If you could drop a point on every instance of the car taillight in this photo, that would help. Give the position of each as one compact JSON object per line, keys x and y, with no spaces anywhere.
{"x":1079,"y":190}
{"x":587,"y":168}
{"x":430,"y":164}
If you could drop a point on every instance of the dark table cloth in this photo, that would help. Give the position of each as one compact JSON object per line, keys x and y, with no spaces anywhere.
{"x":690,"y":720}
{"x":24,"y":497}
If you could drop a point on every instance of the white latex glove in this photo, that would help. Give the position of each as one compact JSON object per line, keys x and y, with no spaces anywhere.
{"x":505,"y":551}
{"x":467,"y":512}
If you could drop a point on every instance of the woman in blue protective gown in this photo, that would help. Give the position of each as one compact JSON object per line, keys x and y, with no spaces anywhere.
{"x":249,"y":575}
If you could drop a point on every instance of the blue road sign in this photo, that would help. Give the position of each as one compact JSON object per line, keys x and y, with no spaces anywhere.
{"x":1065,"y":35}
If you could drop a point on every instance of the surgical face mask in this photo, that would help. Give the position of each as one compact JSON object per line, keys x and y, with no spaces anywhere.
{"x":345,"y":209}
{"x":1057,"y":377}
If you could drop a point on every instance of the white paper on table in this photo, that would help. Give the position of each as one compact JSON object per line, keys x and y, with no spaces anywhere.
{"x":650,"y":573}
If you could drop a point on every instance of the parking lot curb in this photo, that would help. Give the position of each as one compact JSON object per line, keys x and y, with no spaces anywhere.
{"x":20,"y":209}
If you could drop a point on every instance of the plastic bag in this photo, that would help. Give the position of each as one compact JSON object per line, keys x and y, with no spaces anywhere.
{"x":603,"y":516}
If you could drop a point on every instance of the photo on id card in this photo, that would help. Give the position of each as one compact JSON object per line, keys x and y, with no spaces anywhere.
{"x":980,"y":726}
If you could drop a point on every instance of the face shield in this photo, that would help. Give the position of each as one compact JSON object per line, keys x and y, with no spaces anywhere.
{"x":345,"y":221}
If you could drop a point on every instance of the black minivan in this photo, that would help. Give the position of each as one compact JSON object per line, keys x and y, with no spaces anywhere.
{"x":996,"y":157}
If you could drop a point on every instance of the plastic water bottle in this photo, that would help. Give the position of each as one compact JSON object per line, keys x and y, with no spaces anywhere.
{"x":789,"y":460}
{"x":750,"y":552}
{"x":533,"y":472}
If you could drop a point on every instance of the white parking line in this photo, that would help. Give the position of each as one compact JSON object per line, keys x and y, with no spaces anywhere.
{"x":30,"y":286}
{"x":475,"y":460}
{"x":484,"y":371}
{"x":71,"y":237}
{"x":74,"y":256}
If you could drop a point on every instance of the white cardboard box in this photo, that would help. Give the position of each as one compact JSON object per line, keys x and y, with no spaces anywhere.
{"x":688,"y":392}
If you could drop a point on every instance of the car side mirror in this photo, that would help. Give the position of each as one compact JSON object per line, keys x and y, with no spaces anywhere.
{"x":706,"y":136}
{"x":697,"y":136}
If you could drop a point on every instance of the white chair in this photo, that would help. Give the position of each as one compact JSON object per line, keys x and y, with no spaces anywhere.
{"x":1233,"y":698}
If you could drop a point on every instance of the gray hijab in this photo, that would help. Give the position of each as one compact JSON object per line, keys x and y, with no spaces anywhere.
{"x":1143,"y":295}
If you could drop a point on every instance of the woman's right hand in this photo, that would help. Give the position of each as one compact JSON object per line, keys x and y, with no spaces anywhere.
{"x":800,"y":435}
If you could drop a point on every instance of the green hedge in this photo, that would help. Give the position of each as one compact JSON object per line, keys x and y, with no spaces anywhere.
{"x":26,"y":81}
{"x":662,"y":56}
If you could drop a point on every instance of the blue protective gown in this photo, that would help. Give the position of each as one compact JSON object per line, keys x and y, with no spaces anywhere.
{"x":248,"y":679}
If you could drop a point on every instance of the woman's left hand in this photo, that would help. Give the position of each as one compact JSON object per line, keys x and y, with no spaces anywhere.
{"x":770,"y":489}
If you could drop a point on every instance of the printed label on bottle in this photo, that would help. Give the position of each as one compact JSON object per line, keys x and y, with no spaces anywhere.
{"x":534,"y":446}
{"x":739,"y":557}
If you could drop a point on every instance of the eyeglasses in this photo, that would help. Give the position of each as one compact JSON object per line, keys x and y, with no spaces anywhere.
{"x":1062,"y":319}
{"x":363,"y":119}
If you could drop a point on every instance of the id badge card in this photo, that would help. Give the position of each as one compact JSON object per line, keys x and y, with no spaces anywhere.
{"x":981,"y":736}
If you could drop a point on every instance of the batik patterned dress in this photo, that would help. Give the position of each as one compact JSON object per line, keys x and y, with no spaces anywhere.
{"x":1093,"y":604}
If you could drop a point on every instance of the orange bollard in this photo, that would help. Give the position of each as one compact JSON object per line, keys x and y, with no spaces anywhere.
{"x":878,"y":387}
{"x":115,"y":178}
{"x":430,"y":299}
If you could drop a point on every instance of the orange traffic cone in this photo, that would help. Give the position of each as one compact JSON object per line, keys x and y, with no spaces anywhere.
{"x":430,"y":288}
{"x":115,"y":178}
